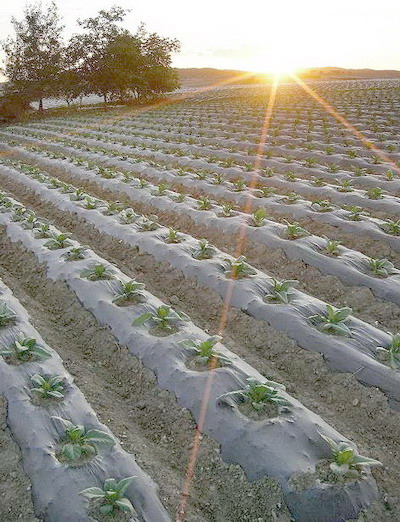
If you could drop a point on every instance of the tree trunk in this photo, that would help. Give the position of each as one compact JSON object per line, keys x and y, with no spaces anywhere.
{"x":41,"y":105}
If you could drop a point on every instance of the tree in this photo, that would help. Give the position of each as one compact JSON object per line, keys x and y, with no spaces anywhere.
{"x":33,"y":56}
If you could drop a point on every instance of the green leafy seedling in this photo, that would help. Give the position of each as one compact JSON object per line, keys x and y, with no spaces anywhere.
{"x":265,"y":192}
{"x":147,"y":224}
{"x":130,"y":291}
{"x":97,"y":271}
{"x":173,"y":236}
{"x":344,"y":185}
{"x":48,"y":387}
{"x":392,"y":352}
{"x":281,"y":291}
{"x":391,"y":227}
{"x":259,"y":394}
{"x":375,"y":193}
{"x":204,"y":203}
{"x":203,"y":251}
{"x":227,"y":210}
{"x":7,"y":315}
{"x":75,"y":253}
{"x":115,"y":207}
{"x":43,"y":231}
{"x":346,"y":460}
{"x":356,"y":213}
{"x":57,"y":241}
{"x":238,"y":268}
{"x":382,"y":267}
{"x":127,"y":216}
{"x":332,"y":247}
{"x":322,"y":205}
{"x":25,"y":349}
{"x":163,"y":317}
{"x":333,"y":321}
{"x":295,"y":231}
{"x":81,"y":443}
{"x":204,"y":350}
{"x":111,"y":497}
{"x":258,"y":217}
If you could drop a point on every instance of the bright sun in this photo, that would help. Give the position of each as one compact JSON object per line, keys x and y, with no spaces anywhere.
{"x":278,"y":65}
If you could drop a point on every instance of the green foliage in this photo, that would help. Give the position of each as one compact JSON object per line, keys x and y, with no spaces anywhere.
{"x":112,"y":208}
{"x":322,"y":205}
{"x":291,"y":198}
{"x":258,"y":217}
{"x":25,"y":349}
{"x":204,"y":203}
{"x":204,"y":250}
{"x":346,"y":460}
{"x":204,"y":350}
{"x":281,"y":291}
{"x":163,"y":317}
{"x":173,"y":236}
{"x":127,"y":216}
{"x":391,"y":227}
{"x":237,"y":268}
{"x":344,"y":185}
{"x":259,"y":394}
{"x":355,"y":213}
{"x":75,"y":253}
{"x":295,"y":231}
{"x":239,"y":185}
{"x":81,"y":443}
{"x":333,"y":321}
{"x":375,"y":193}
{"x":111,"y":498}
{"x":7,"y":315}
{"x":57,"y":241}
{"x":97,"y":271}
{"x":48,"y":387}
{"x":317,"y":182}
{"x":265,"y":192}
{"x":43,"y":231}
{"x":332,"y":246}
{"x":382,"y":267}
{"x":227,"y":210}
{"x":392,"y":352}
{"x":129,"y":291}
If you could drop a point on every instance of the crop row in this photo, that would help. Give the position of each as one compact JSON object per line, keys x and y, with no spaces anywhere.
{"x":254,"y":292}
{"x":289,"y":441}
{"x":64,"y":446}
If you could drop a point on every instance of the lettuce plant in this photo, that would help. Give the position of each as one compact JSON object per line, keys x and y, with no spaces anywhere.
{"x":163,"y":317}
{"x":111,"y":498}
{"x":392,"y":352}
{"x":344,"y":185}
{"x":204,"y":250}
{"x":382,"y":267}
{"x":391,"y":227}
{"x":97,"y":271}
{"x":205,"y":349}
{"x":25,"y":349}
{"x":281,"y":291}
{"x":237,"y":268}
{"x":91,"y":203}
{"x":204,"y":203}
{"x":79,"y":442}
{"x":239,"y":185}
{"x":43,"y":231}
{"x":57,"y":241}
{"x":112,"y":208}
{"x":291,"y":198}
{"x":160,"y":189}
{"x":218,"y":179}
{"x":78,"y":195}
{"x":257,"y":218}
{"x":227,"y":210}
{"x":375,"y":193}
{"x":265,"y":192}
{"x":259,"y":394}
{"x":317,"y":182}
{"x":20,"y":213}
{"x":322,"y":205}
{"x":333,"y":321}
{"x":346,"y":460}
{"x":75,"y":253}
{"x":48,"y":387}
{"x":127,"y":216}
{"x":130,"y":291}
{"x":7,"y":315}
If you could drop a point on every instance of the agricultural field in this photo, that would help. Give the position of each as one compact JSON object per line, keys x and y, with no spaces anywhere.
{"x":200,"y":308}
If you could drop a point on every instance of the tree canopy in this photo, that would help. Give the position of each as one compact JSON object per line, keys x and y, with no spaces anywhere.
{"x":103,"y":58}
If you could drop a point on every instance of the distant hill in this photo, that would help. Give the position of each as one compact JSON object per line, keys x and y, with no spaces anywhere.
{"x":191,"y":78}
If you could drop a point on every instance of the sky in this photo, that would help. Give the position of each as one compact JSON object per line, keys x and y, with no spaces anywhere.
{"x":255,"y":35}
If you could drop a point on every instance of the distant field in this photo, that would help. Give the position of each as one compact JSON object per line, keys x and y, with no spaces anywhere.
{"x":173,"y":197}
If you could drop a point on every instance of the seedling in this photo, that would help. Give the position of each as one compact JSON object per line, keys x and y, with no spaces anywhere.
{"x":111,"y":498}
{"x":147,"y":224}
{"x":281,"y":291}
{"x":218,"y":179}
{"x":164,"y":318}
{"x":268,"y":172}
{"x":75,"y":254}
{"x":333,"y":321}
{"x":375,"y":193}
{"x":7,"y":315}
{"x":48,"y":387}
{"x":382,"y":267}
{"x":97,"y":271}
{"x":43,"y":231}
{"x":130,"y":291}
{"x":66,"y":188}
{"x":20,"y":213}
{"x":204,"y":203}
{"x":204,"y":250}
{"x":227,"y":210}
{"x":317,"y":182}
{"x":322,"y":205}
{"x":239,"y":185}
{"x":291,"y":198}
{"x":90,"y":203}
{"x":391,"y":227}
{"x":258,"y":217}
{"x":333,"y":168}
{"x":237,"y":268}
{"x":356,"y":213}
{"x":127,"y":216}
{"x":57,"y":241}
{"x":310,"y":162}
{"x":295,"y":231}
{"x":142,"y":183}
{"x":344,"y":185}
{"x":290,"y":176}
{"x":204,"y":350}
{"x":389,"y":175}
{"x":113,"y":208}
{"x":392,"y":352}
{"x":265,"y":192}
{"x":160,"y":190}
{"x":259,"y":394}
{"x":25,"y":349}
{"x":173,"y":236}
{"x":80,"y":443}
{"x":347,"y":462}
{"x":332,"y":247}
